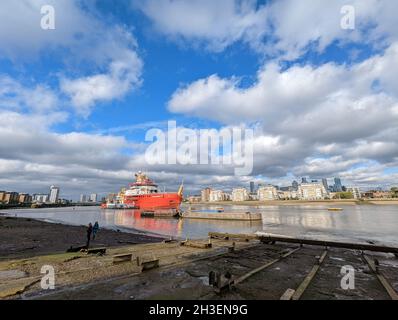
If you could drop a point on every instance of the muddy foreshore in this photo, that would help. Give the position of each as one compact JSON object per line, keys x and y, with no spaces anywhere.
{"x":246,"y":268}
{"x":25,"y":238}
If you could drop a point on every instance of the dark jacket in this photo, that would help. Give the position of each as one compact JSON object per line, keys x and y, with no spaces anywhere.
{"x":89,"y":231}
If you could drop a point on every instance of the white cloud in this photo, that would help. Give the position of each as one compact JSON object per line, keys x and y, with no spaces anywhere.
{"x":324,"y":121}
{"x":15,"y":96}
{"x":101,"y":61}
{"x":217,"y":24}
{"x":298,"y":96}
{"x":318,"y":120}
{"x":123,"y":75}
{"x":78,"y":162}
{"x":21,"y":35}
{"x":284,"y":28}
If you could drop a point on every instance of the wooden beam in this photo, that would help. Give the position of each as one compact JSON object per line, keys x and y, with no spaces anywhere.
{"x":76,"y":249}
{"x":96,"y":251}
{"x":276,"y":238}
{"x":390,"y":290}
{"x":304,"y":285}
{"x":198,"y":245}
{"x":253,"y":272}
{"x":288,"y":294}
{"x":120,"y":258}
{"x":228,"y":236}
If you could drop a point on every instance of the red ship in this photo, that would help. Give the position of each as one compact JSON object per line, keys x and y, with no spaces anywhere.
{"x":144,"y":195}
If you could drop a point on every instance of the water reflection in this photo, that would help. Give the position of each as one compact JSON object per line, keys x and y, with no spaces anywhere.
{"x":181,"y":228}
{"x":132,"y":219}
{"x":359,"y":223}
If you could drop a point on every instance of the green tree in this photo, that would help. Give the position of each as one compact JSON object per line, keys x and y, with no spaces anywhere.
{"x":344,"y":195}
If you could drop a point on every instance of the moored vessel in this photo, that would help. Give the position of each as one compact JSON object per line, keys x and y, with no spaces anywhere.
{"x":144,"y":195}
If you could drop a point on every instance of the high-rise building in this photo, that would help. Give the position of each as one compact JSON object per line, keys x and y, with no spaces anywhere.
{"x":93,"y":197}
{"x":83,"y":198}
{"x":337,"y":185}
{"x":295,"y":185}
{"x":304,"y":180}
{"x":252,"y":187}
{"x":54,"y":194}
{"x":325,"y":184}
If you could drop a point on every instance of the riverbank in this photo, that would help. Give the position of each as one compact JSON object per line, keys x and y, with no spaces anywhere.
{"x":46,"y":205}
{"x":247,"y":269}
{"x":299,"y":202}
{"x":25,"y":238}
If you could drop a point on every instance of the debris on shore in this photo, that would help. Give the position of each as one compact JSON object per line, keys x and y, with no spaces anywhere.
{"x":221,"y":267}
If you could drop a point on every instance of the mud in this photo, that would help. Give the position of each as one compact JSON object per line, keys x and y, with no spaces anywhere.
{"x":24,"y":238}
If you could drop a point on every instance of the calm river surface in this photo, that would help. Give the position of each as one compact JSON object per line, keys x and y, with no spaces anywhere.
{"x":359,"y":223}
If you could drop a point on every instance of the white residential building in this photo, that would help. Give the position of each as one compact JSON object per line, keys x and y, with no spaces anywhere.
{"x":355,"y":192}
{"x":93,"y":197}
{"x":54,"y":194}
{"x":267,"y":193}
{"x":240,"y":194}
{"x":288,"y":195}
{"x":205,"y":194}
{"x":83,"y":198}
{"x":42,"y":198}
{"x":217,"y":195}
{"x":312,"y":191}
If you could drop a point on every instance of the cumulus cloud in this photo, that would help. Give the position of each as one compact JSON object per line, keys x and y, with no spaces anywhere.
{"x":216,"y":24}
{"x":321,"y":120}
{"x":315,"y":120}
{"x":16,"y":96}
{"x":123,"y":75}
{"x":78,"y":162}
{"x":101,"y":62}
{"x":21,"y":35}
{"x":298,"y":91}
{"x":284,"y":28}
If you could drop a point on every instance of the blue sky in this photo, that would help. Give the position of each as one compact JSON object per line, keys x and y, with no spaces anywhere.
{"x":77,"y":101}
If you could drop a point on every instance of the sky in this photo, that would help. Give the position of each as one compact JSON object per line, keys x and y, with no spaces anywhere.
{"x":77,"y":101}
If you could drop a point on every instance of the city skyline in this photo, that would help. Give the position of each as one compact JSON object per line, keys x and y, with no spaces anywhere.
{"x":77,"y":101}
{"x":198,"y":188}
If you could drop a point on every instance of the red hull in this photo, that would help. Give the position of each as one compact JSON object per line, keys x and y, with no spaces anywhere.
{"x":154,"y":201}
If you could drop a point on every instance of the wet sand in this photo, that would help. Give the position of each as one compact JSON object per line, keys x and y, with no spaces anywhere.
{"x":24,"y":238}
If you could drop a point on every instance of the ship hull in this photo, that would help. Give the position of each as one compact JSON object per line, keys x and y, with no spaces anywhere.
{"x":154,"y":201}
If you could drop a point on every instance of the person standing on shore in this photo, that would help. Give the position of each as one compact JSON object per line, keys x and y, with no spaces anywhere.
{"x":89,"y":232}
{"x":95,"y":229}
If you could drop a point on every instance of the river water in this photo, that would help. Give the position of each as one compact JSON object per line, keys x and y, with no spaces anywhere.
{"x":359,"y":223}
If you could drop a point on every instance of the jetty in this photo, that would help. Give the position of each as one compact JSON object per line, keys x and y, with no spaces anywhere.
{"x":160,"y":213}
